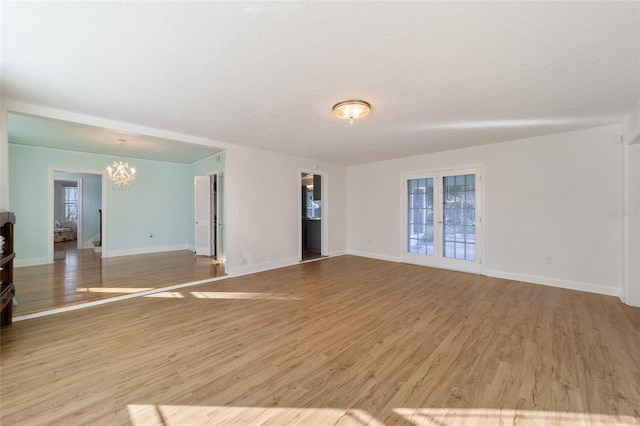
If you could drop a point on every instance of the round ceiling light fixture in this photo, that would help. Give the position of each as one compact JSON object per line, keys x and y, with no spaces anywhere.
{"x":351,"y":110}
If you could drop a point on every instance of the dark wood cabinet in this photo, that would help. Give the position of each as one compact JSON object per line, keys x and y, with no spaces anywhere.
{"x":7,"y":289}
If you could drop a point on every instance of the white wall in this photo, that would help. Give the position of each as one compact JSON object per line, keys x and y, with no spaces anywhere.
{"x":631,"y":212}
{"x":631,"y":207}
{"x":262,"y":191}
{"x":546,"y":196}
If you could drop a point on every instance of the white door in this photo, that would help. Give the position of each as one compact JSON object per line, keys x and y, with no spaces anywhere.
{"x":219,"y":217}
{"x":442,"y":219}
{"x":203,"y":237}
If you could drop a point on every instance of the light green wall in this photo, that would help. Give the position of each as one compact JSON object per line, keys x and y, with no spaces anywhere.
{"x":159,"y":201}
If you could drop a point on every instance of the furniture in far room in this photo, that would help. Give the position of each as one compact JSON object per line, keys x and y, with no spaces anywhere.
{"x":7,"y":289}
{"x":62,"y":233}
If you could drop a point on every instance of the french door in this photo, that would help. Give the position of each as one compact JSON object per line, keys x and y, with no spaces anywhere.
{"x":442,"y":219}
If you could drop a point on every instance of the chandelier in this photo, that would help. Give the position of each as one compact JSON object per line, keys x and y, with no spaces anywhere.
{"x":123,"y":174}
{"x":351,"y":110}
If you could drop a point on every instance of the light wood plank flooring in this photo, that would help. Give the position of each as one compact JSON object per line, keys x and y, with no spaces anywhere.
{"x":83,"y":276}
{"x":345,"y":340}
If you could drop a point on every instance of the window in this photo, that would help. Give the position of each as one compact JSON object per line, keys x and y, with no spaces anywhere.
{"x":442,"y":223}
{"x":459,"y":202}
{"x":420,"y":216}
{"x":71,"y":203}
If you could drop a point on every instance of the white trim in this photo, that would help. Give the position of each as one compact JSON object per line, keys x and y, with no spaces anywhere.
{"x":79,"y":229}
{"x":378,"y":256}
{"x":50,"y":212}
{"x":624,"y":293}
{"x":438,"y":260}
{"x":115,"y":299}
{"x":145,"y":250}
{"x":199,"y":181}
{"x":555,"y":282}
{"x":78,"y":181}
{"x":276,"y":264}
{"x":261,"y":267}
{"x":59,"y":114}
{"x":32,"y":261}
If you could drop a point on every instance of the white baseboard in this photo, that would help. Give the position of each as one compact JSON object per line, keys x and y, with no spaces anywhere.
{"x":34,"y":261}
{"x":275,"y":264}
{"x":374,"y":255}
{"x":260,"y":267}
{"x":145,"y":250}
{"x":555,"y":282}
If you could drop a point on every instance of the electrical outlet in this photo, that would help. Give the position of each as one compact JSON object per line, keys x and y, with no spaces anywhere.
{"x":547,"y":260}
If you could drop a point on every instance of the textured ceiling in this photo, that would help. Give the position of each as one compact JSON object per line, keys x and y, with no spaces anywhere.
{"x":439,"y":75}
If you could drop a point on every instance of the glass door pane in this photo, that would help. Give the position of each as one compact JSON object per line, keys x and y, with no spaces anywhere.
{"x":459,"y":217}
{"x":442,"y":219}
{"x":420,"y":216}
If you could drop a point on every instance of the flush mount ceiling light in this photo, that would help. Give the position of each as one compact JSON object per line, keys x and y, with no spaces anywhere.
{"x":122,"y":174}
{"x":351,"y":110}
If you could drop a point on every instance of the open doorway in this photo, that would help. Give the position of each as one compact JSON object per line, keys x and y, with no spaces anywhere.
{"x":312,"y":216}
{"x":76,"y":214}
{"x":209,"y":227}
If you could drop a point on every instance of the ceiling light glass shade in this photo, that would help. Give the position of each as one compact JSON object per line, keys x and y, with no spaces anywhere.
{"x":121,"y":174}
{"x":351,"y":110}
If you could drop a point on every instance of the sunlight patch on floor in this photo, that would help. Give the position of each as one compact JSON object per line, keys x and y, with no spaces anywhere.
{"x":238,"y":295}
{"x":174,"y":415}
{"x":112,"y":289}
{"x":221,"y":295}
{"x":168,"y":295}
{"x":492,"y":416}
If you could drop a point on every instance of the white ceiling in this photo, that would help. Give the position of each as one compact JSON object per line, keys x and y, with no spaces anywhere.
{"x":439,"y":75}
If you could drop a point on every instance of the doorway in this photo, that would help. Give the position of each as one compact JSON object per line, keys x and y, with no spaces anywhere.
{"x":75,"y":214}
{"x":442,"y":219}
{"x":312,"y":217}
{"x":209,"y":226}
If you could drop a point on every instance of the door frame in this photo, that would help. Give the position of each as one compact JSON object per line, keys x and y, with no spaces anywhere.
{"x":216,"y":228}
{"x":78,"y":182}
{"x":324,"y":228}
{"x":217,"y":224}
{"x":479,"y":170}
{"x":51,"y":212}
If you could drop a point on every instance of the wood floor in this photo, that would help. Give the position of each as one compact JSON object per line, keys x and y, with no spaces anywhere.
{"x":345,"y":340}
{"x":83,"y":276}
